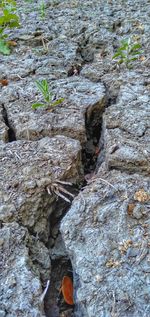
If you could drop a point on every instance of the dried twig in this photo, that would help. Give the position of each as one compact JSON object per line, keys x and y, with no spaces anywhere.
{"x":62,"y":196}
{"x":103,"y":180}
{"x":63,"y":190}
{"x":114,"y":303}
{"x":64,"y":183}
{"x":45,"y":291}
{"x":59,"y":190}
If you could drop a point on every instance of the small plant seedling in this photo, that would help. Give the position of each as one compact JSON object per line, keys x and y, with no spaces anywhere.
{"x":127,"y":52}
{"x":8,"y":19}
{"x":42,"y":9}
{"x":47,"y":96}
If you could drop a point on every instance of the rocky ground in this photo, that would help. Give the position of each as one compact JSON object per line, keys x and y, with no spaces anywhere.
{"x":95,"y":145}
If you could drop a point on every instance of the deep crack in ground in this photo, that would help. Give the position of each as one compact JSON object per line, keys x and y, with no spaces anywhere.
{"x":11,"y":132}
{"x":73,"y":52}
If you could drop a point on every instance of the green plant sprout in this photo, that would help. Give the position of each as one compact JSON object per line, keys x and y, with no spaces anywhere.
{"x":47,"y":96}
{"x":127,"y":52}
{"x":8,"y":19}
{"x":42,"y":8}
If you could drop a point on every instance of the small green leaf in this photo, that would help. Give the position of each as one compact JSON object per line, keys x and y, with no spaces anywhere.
{"x":136,"y":53}
{"x":116,"y":55}
{"x":135,"y":47}
{"x":3,"y":36}
{"x":124,"y":45}
{"x":42,"y":85}
{"x":14,"y":24}
{"x":122,"y":48}
{"x":41,"y":88}
{"x":57,"y":102}
{"x":4,"y":48}
{"x":48,"y":97}
{"x":132,"y":59}
{"x":8,"y":19}
{"x":1,"y":30}
{"x":120,"y":61}
{"x":119,"y":54}
{"x":2,"y":20}
{"x":44,"y":89}
{"x":45,"y":84}
{"x":39,"y":84}
{"x":127,"y":52}
{"x":126,"y":42}
{"x":37,"y":105}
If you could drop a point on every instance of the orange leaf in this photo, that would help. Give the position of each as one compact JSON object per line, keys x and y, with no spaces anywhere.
{"x":130,"y":209}
{"x":67,"y":290}
{"x":97,"y":151}
{"x":4,"y":82}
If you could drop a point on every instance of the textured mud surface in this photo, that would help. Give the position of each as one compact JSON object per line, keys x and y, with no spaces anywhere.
{"x":105,"y":117}
{"x":106,"y":233}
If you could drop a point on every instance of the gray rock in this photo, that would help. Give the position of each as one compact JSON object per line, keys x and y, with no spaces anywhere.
{"x":2,"y":313}
{"x":105,"y":239}
{"x":27,"y":169}
{"x":81,"y":97}
{"x":58,"y":251}
{"x":20,"y":287}
{"x":98,"y":231}
{"x":126,"y":132}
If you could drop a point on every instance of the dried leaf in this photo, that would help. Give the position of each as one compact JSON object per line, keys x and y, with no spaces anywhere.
{"x":12,"y":43}
{"x":125,"y":245}
{"x":111,"y":263}
{"x":67,"y":290}
{"x":97,"y":150}
{"x":4,"y":82}
{"x":142,"y":58}
{"x":130,"y":209}
{"x":141,"y":196}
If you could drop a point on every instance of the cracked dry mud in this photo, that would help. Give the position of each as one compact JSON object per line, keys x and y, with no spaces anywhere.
{"x":101,"y":133}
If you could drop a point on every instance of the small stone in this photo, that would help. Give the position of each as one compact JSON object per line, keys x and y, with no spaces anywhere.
{"x":99,"y":278}
{"x":138,"y":212}
{"x":30,"y":185}
{"x":2,"y":313}
{"x":55,"y":231}
{"x":142,"y":196}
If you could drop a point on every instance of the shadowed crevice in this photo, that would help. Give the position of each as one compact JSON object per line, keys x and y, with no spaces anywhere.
{"x":11,"y":132}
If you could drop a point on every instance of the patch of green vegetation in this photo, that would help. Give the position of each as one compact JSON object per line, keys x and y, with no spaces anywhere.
{"x":47,"y":96}
{"x":8,"y":20}
{"x":42,"y":9}
{"x":127,"y":52}
{"x":29,"y":1}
